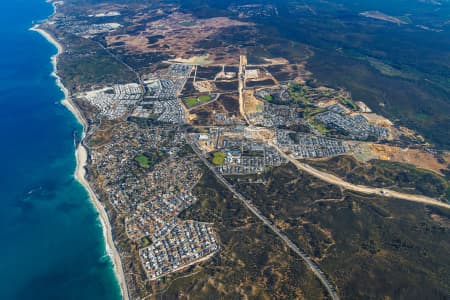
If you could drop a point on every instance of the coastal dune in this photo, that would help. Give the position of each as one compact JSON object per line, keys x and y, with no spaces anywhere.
{"x":81,"y":154}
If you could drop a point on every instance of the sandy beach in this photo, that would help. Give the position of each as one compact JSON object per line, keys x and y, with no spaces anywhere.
{"x":81,"y":154}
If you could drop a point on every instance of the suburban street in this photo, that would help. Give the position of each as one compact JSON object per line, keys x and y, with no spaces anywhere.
{"x":311,"y":264}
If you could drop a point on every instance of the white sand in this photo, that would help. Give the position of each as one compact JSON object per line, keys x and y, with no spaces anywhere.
{"x":80,"y":172}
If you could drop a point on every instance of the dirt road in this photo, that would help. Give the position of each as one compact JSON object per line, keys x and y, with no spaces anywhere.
{"x":361,"y":188}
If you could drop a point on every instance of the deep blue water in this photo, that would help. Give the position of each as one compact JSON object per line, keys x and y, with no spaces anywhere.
{"x":51,"y":243}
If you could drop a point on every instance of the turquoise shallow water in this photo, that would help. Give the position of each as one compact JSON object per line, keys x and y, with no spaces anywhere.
{"x":51,"y":242}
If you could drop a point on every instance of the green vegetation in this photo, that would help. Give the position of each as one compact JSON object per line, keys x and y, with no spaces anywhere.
{"x":268,"y":97}
{"x":318,"y":126}
{"x":149,"y":159}
{"x":88,"y":64}
{"x":194,"y":101}
{"x":388,"y":70}
{"x":311,"y":111}
{"x":422,"y":107}
{"x":366,"y":244}
{"x":151,"y":120}
{"x":146,"y":241}
{"x":143,"y":161}
{"x":326,"y":93}
{"x":218,"y":158}
{"x":348,"y":102}
{"x":190,"y":101}
{"x":204,"y":98}
{"x":396,"y":176}
{"x":252,"y":261}
{"x":297,"y":93}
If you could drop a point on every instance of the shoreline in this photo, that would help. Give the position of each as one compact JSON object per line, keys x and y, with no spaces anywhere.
{"x":81,"y":155}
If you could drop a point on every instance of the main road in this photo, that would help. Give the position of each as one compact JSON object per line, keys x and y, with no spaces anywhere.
{"x":309,"y":262}
{"x":359,"y":188}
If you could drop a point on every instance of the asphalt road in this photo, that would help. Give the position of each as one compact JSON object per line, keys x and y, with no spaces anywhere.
{"x":311,"y":264}
{"x":360,"y":188}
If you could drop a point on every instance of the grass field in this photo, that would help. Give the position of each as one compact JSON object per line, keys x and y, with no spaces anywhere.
{"x":190,"y":101}
{"x":218,"y":158}
{"x":194,"y":101}
{"x":143,"y":161}
{"x":268,"y":98}
{"x":204,"y":98}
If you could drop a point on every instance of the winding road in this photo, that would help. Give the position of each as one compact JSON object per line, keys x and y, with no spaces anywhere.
{"x":309,"y":262}
{"x":329,"y":178}
{"x":360,"y":188}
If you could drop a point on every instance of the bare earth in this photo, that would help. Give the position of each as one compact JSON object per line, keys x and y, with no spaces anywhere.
{"x":361,"y":188}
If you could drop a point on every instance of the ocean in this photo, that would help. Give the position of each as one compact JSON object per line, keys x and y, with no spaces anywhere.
{"x":51,"y":241}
